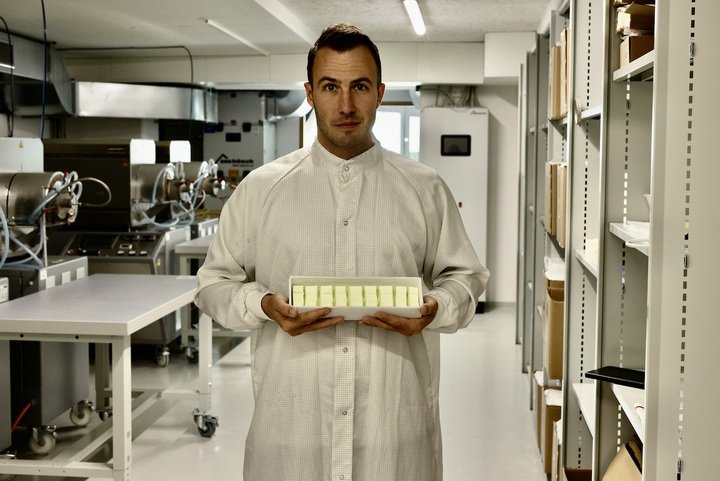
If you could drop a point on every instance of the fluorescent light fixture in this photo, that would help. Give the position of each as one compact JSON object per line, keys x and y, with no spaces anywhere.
{"x":413,"y":11}
{"x":234,"y":35}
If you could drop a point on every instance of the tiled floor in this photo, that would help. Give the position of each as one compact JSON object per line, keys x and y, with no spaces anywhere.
{"x":486,"y":422}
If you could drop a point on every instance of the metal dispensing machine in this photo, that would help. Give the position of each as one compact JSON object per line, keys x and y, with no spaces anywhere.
{"x":43,"y":379}
{"x":132,"y":222}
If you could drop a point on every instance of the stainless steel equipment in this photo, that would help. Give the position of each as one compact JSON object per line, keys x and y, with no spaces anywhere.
{"x":109,"y":206}
{"x":130,"y":252}
{"x":46,"y":378}
{"x":31,"y":202}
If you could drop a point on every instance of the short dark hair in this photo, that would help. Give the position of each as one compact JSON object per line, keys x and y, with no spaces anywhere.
{"x":342,"y":37}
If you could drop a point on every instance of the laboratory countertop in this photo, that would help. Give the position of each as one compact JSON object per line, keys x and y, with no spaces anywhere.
{"x":197,"y":246}
{"x":101,"y":304}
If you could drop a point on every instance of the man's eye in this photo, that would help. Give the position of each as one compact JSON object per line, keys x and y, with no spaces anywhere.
{"x":329,"y":87}
{"x":361,"y":87}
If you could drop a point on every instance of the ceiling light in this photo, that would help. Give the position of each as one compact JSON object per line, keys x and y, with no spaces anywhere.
{"x":413,"y":11}
{"x":234,"y":35}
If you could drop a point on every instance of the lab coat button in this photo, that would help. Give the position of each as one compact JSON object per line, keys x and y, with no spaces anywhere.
{"x":345,"y":222}
{"x":344,"y":413}
{"x":345,"y":349}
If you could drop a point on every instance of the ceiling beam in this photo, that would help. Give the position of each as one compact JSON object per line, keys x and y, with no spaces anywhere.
{"x":289,"y":19}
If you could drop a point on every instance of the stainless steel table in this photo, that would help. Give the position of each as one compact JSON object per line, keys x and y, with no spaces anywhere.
{"x":105,"y":309}
{"x":186,"y":252}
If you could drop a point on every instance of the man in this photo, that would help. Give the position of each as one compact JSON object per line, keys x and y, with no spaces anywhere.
{"x":342,"y":400}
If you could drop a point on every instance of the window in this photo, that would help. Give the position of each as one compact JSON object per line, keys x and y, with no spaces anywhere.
{"x":397,"y":128}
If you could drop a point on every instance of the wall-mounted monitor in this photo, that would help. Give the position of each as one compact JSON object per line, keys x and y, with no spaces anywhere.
{"x":455,"y":145}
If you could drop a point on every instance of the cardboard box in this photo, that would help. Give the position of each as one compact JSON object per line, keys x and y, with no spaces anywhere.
{"x":564,"y":72}
{"x":538,"y":389}
{"x":551,"y":169}
{"x":576,"y":474}
{"x":626,"y":465}
{"x":620,"y":3}
{"x":554,"y":84}
{"x":551,"y":408}
{"x":635,"y":47}
{"x":561,"y":203}
{"x":554,"y":315}
{"x":555,"y":474}
{"x":635,"y":19}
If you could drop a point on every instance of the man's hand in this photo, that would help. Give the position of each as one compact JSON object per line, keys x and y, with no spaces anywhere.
{"x":404,"y":325}
{"x":277,"y":308}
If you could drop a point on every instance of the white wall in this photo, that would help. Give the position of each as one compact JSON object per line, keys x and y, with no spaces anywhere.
{"x":502,"y":215}
{"x":503,"y":173}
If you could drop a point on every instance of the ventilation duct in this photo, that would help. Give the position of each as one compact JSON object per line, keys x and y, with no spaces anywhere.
{"x":285,"y":104}
{"x":22,"y":92}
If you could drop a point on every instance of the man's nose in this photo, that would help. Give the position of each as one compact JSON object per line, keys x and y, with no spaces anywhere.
{"x":347,"y":104}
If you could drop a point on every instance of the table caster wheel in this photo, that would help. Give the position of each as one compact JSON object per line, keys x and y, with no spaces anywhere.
{"x":42,"y":440}
{"x":206,"y":424}
{"x":162,"y":356}
{"x":105,"y":414}
{"x":192,"y":355}
{"x":81,"y":413}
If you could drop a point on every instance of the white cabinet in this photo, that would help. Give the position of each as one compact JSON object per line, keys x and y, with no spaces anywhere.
{"x":455,"y":143}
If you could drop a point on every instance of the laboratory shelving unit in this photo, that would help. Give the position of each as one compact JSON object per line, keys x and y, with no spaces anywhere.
{"x":542,"y":141}
{"x":640,"y":146}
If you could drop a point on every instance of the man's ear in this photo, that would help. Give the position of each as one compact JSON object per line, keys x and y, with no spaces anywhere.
{"x":309,"y":94}
{"x":381,"y":93}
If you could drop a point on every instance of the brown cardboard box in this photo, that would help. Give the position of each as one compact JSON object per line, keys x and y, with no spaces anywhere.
{"x":635,"y":19}
{"x":575,"y":474}
{"x":620,"y":3}
{"x":625,"y":466}
{"x":554,"y":84}
{"x":555,"y":474}
{"x":551,"y":169}
{"x":551,"y":407}
{"x":554,"y":315}
{"x":634,"y":47}
{"x":561,"y":204}
{"x":564,"y":72}
{"x":538,"y":388}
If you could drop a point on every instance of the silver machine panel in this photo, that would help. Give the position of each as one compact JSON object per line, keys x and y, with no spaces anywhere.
{"x":46,"y":378}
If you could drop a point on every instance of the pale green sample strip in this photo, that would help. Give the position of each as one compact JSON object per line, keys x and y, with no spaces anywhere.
{"x":298,"y":296}
{"x":356,"y":296}
{"x":311,"y":296}
{"x":386,"y":296}
{"x":326,"y":296}
{"x":341,"y":296}
{"x":413,"y":297}
{"x":371,"y":298}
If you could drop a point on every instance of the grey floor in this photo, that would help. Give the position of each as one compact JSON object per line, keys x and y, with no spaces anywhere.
{"x":487,"y":426}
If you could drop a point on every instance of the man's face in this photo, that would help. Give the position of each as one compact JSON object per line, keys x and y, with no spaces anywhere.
{"x":345,"y":95}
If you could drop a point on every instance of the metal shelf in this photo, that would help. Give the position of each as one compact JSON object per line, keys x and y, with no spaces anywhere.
{"x":629,"y":397}
{"x":635,"y":234}
{"x":640,"y":69}
{"x":585,"y":394}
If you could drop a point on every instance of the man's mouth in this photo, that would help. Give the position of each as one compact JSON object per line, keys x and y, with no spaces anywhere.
{"x":347,"y":124}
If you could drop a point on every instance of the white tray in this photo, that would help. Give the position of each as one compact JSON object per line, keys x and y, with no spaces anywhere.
{"x":356,"y":313}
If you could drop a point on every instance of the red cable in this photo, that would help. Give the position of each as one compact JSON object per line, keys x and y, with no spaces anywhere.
{"x":20,"y":416}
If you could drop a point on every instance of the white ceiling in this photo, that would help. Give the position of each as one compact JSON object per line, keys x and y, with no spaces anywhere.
{"x":275,"y":26}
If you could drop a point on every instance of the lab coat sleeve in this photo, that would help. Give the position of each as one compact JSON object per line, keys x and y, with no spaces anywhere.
{"x":227,"y":290}
{"x":453,"y":272}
